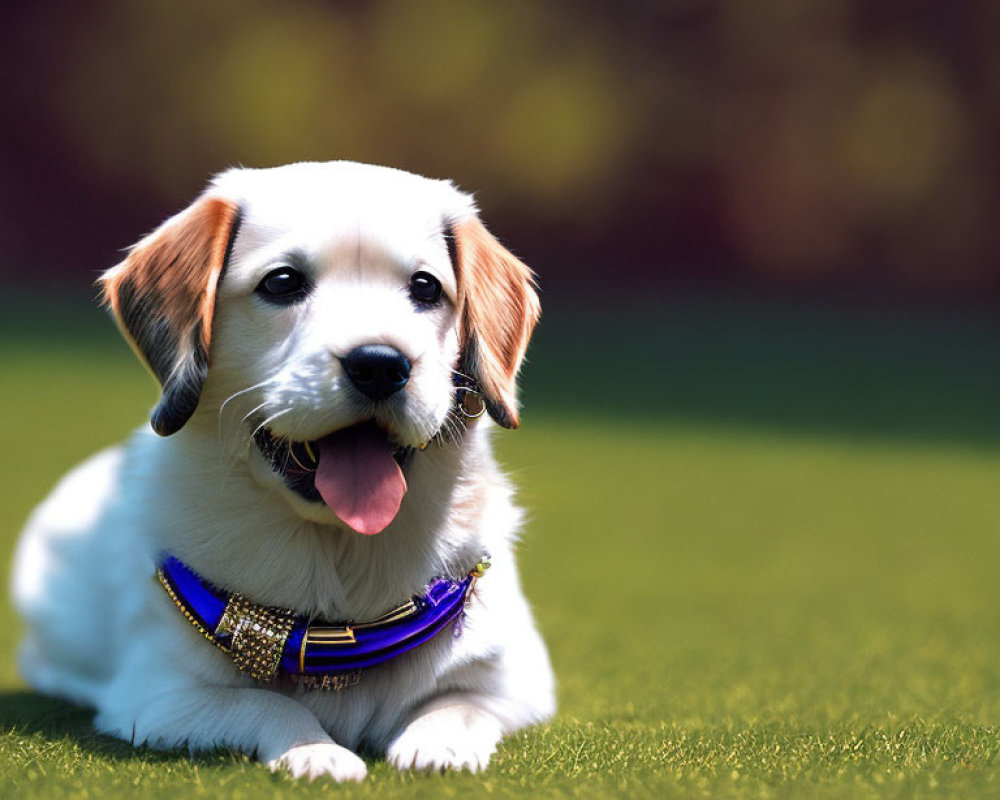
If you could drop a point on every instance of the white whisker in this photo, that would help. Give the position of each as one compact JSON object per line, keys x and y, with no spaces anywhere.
{"x":253,"y":411}
{"x":242,"y":392}
{"x":268,"y":420}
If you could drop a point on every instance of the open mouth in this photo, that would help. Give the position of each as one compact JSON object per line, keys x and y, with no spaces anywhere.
{"x":356,"y":471}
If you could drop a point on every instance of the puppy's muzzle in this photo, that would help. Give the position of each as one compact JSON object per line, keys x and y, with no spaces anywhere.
{"x":378,"y":371}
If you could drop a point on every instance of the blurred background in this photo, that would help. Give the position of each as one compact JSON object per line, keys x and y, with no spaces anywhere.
{"x":780,"y":144}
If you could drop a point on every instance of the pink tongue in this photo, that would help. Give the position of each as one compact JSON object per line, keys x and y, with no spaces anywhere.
{"x":359,"y":479}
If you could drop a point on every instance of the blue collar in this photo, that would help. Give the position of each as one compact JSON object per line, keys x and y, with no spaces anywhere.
{"x":268,"y":642}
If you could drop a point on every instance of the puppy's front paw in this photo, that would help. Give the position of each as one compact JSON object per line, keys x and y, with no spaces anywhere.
{"x":313,"y":760}
{"x":457,"y":736}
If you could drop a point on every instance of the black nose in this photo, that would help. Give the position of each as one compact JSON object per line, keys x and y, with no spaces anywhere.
{"x":377,"y":370}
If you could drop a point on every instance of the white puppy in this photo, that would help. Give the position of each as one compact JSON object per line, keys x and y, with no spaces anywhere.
{"x":323,"y":335}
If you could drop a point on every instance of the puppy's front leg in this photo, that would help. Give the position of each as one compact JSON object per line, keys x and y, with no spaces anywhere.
{"x":281,"y":732}
{"x":450,"y":731}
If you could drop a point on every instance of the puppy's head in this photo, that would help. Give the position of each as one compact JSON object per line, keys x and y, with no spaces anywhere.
{"x":331,"y":316}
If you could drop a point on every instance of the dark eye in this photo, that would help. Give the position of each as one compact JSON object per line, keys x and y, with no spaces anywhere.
{"x":425,"y":288}
{"x":283,"y":285}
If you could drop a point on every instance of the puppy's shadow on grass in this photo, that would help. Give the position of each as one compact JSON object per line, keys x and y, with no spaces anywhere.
{"x":25,"y":713}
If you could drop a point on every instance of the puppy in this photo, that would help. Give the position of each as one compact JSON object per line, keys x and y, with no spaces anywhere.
{"x":295,"y":566}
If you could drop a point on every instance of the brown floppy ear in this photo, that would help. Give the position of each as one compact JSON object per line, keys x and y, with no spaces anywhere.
{"x":163,"y":298}
{"x":498,"y":310}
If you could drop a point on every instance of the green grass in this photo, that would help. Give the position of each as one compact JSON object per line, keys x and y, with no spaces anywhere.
{"x":740,"y":601}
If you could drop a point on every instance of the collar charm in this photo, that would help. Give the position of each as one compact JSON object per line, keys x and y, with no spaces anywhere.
{"x":268,"y":642}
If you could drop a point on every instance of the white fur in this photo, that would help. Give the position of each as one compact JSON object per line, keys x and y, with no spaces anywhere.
{"x":101,"y":631}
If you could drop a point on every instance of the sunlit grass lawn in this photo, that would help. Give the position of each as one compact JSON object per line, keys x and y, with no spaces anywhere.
{"x":732,"y":611}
